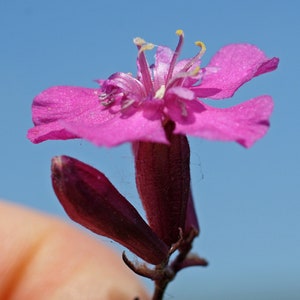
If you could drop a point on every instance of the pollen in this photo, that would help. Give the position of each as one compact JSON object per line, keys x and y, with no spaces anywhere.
{"x":139,"y":41}
{"x":179,"y":32}
{"x":147,"y":46}
{"x":142,"y":44}
{"x":195,"y":71}
{"x":160,"y":92}
{"x":202,"y":46}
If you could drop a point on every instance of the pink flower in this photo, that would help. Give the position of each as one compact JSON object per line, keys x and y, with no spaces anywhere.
{"x":126,"y":108}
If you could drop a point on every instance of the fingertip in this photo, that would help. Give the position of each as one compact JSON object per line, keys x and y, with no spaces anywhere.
{"x":45,"y":258}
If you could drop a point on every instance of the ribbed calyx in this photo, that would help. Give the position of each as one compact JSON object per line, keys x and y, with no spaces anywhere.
{"x":163,"y":183}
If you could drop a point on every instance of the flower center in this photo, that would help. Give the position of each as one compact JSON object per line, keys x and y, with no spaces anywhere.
{"x":123,"y":88}
{"x":170,"y":80}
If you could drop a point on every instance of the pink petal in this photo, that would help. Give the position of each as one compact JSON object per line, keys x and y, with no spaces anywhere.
{"x":206,"y":92}
{"x":163,"y":59}
{"x":182,"y":93}
{"x":268,"y":66}
{"x":57,"y":104}
{"x":244,"y":123}
{"x":182,"y":111}
{"x":120,"y":129}
{"x":69,"y":112}
{"x":235,"y":65}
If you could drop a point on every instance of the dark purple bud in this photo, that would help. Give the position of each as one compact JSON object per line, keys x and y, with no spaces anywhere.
{"x":163,"y":182}
{"x":91,"y":200}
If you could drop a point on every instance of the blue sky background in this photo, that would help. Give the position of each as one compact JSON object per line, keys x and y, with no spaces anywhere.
{"x":247,"y":200}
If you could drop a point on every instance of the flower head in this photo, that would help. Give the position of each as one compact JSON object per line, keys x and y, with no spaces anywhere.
{"x":127,"y":108}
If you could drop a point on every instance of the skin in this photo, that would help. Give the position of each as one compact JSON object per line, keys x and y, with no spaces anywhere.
{"x":41,"y":257}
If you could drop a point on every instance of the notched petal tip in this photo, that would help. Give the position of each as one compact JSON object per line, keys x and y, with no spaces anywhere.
{"x":236,"y":64}
{"x":268,"y":66}
{"x":91,"y":200}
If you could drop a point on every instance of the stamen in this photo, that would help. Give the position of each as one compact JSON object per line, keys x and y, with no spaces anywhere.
{"x":196,"y":57}
{"x":194,"y":72}
{"x":106,"y":99}
{"x":144,"y":68}
{"x":127,"y":103}
{"x":148,"y":46}
{"x":179,"y":32}
{"x":202,"y":46}
{"x":160,"y":92}
{"x":139,"y":41}
{"x":180,"y":76}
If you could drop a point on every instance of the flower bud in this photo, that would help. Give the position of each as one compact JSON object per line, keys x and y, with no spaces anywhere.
{"x":91,"y":200}
{"x":163,"y":182}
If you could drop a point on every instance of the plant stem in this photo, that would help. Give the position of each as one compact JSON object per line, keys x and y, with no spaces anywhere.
{"x":159,"y":290}
{"x":165,"y":272}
